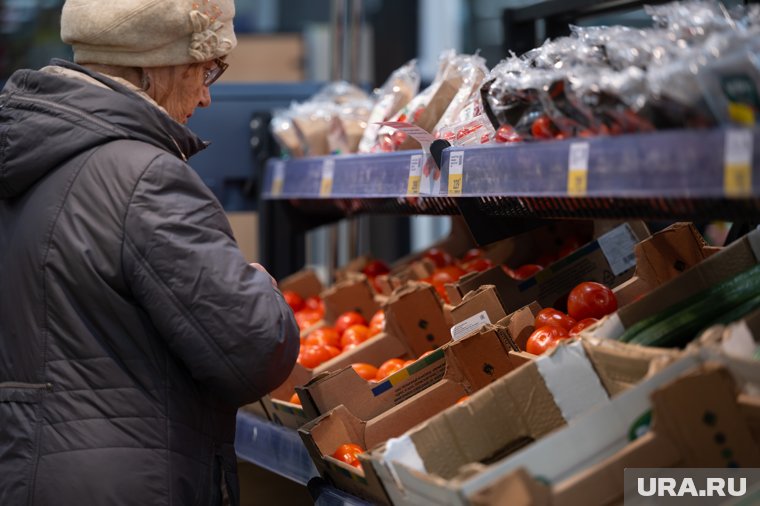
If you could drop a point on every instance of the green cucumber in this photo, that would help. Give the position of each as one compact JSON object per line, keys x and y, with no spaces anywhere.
{"x":680,"y":323}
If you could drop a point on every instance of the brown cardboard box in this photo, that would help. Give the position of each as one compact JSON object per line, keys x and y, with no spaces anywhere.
{"x":304,"y":282}
{"x":608,"y":260}
{"x":716,"y":268}
{"x":402,"y":401}
{"x":473,"y":362}
{"x":678,"y":438}
{"x":271,"y":58}
{"x":415,"y":323}
{"x":520,"y":410}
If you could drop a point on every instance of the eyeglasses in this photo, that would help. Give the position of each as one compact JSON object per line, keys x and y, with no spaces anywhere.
{"x":210,"y":76}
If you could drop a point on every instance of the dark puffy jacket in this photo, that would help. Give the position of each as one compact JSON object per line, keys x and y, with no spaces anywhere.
{"x":131,"y":326}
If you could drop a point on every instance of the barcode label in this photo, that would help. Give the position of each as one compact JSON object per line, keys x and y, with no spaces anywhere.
{"x":617,"y":246}
{"x":470,"y":325}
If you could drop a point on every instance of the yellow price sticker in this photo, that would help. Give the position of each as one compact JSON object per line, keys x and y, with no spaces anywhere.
{"x":415,"y":175}
{"x":456,"y":172}
{"x":737,"y":168}
{"x":278,"y":181}
{"x":328,"y":171}
{"x":577,"y":169}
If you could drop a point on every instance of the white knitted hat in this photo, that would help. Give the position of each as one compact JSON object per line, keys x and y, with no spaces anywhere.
{"x":148,"y":33}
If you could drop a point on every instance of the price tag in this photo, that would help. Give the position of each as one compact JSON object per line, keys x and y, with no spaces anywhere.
{"x":737,"y":169}
{"x":456,"y":172}
{"x":577,"y":169}
{"x":328,"y":171}
{"x":415,"y":175}
{"x":278,"y":181}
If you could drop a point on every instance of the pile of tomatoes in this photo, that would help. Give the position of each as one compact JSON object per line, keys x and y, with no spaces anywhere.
{"x":347,"y":453}
{"x":586,"y":304}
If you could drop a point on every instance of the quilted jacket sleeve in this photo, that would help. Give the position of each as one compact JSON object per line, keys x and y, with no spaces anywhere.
{"x":221,"y":317}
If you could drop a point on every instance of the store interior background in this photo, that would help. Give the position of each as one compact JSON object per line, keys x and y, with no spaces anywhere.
{"x":287,"y":50}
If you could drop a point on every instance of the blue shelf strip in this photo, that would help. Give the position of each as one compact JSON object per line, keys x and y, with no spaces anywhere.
{"x":275,"y":448}
{"x":667,"y":164}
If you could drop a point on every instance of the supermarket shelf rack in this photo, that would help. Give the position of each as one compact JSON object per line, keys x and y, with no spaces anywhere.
{"x":678,"y":174}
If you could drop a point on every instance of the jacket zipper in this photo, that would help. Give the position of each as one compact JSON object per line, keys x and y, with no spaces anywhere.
{"x":70,"y":110}
{"x":28,"y":386}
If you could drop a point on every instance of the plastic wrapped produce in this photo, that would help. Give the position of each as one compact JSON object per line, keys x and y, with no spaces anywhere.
{"x":395,"y":93}
{"x":471,"y":71}
{"x":285,"y":133}
{"x":347,"y":126}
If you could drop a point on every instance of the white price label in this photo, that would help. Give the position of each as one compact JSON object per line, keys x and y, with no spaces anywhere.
{"x":577,"y":168}
{"x":456,"y":172}
{"x":737,"y":157}
{"x":470,"y":325}
{"x":415,"y":175}
{"x":618,"y":247}
{"x":328,"y":172}
{"x":278,"y":181}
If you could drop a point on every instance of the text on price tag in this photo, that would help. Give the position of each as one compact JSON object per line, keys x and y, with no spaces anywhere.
{"x":577,"y":169}
{"x":415,"y":175}
{"x":278,"y":181}
{"x":328,"y":171}
{"x":456,"y":172}
{"x":737,"y":168}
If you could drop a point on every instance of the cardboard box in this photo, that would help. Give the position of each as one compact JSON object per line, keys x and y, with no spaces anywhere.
{"x":305,"y":283}
{"x":415,"y":323}
{"x":716,"y":268}
{"x":522,"y":409}
{"x":373,"y":414}
{"x":609,"y":260}
{"x":679,"y":437}
{"x":473,"y":361}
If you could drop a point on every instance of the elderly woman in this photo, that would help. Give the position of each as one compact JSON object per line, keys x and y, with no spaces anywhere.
{"x":131,"y":326}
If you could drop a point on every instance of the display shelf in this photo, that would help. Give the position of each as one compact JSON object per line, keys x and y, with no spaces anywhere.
{"x":692,"y":174}
{"x":274,"y":448}
{"x":281,"y":451}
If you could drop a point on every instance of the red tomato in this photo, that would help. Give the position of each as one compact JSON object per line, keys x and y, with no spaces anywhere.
{"x":545,"y":338}
{"x":389,"y":367}
{"x":549,"y":316}
{"x":472,"y":254}
{"x":377,"y":323}
{"x":477,"y":265}
{"x":355,"y":334}
{"x":323,"y":335}
{"x":526,"y":271}
{"x":314,"y":303}
{"x":543,"y":128}
{"x":462,"y":400}
{"x":294,"y":300}
{"x":312,"y":356}
{"x":409,"y":362}
{"x":375,"y":268}
{"x":347,"y":453}
{"x":507,"y":134}
{"x":591,"y":300}
{"x":350,"y":346}
{"x":439,"y":257}
{"x":546,"y":259}
{"x":578,"y":328}
{"x":306,"y":318}
{"x":347,"y":319}
{"x":365,"y":371}
{"x":334,"y":350}
{"x":294,"y":399}
{"x":454,"y":271}
{"x":568,"y":246}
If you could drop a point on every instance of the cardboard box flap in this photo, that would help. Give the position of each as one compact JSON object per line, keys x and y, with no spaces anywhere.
{"x":693,"y":409}
{"x":305,"y":283}
{"x":670,"y":252}
{"x":484,"y":298}
{"x":516,"y":489}
{"x":720,"y":267}
{"x":520,"y":324}
{"x":620,"y":365}
{"x":416,"y":314}
{"x":350,"y":295}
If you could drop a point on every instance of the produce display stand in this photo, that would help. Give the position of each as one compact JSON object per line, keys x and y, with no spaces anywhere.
{"x":679,"y":174}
